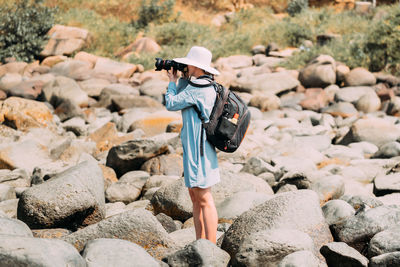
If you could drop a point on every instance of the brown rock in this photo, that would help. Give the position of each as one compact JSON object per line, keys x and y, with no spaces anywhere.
{"x":155,"y":123}
{"x":265,"y":102}
{"x":315,"y":99}
{"x":384,"y":92}
{"x":141,"y":45}
{"x":90,"y":58}
{"x":359,"y":77}
{"x":120,"y":102}
{"x":118,"y":69}
{"x":23,"y":114}
{"x":13,"y":67}
{"x":65,"y":40}
{"x":109,"y":175}
{"x":51,"y":233}
{"x":3,"y":95}
{"x":27,"y":89}
{"x":53,"y":60}
{"x":170,"y":164}
{"x":320,"y":72}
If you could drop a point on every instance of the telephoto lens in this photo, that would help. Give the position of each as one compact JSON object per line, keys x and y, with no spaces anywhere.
{"x":167,"y":64}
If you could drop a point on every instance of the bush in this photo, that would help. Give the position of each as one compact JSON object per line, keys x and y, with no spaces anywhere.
{"x":296,"y":6}
{"x":155,"y":12}
{"x":23,"y":29}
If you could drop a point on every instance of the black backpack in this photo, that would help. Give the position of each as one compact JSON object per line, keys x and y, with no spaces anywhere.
{"x":229,"y":118}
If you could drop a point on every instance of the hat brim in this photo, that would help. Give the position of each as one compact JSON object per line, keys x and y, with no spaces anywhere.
{"x":188,"y":61}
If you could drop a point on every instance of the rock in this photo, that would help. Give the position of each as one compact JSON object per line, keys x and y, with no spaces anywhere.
{"x":234,"y":62}
{"x":353,"y":94}
{"x":388,"y":150}
{"x":387,"y":184}
{"x":76,"y":125}
{"x":119,"y":102}
{"x":368,"y":103}
{"x":7,"y":192}
{"x":359,"y":77}
{"x":329,"y":187}
{"x":74,"y":69}
{"x":341,"y":71}
{"x":377,"y":131}
{"x":320,"y":72}
{"x":337,"y":210}
{"x":233,"y":206}
{"x":167,"y":222}
{"x":115,"y":68}
{"x":23,"y":114}
{"x":128,"y":188}
{"x":155,"y":88}
{"x":271,"y":247}
{"x":93,"y":87}
{"x":114,"y":208}
{"x":56,"y":233}
{"x":73,"y":198}
{"x":65,"y":89}
{"x":155,"y":123}
{"x":298,"y":210}
{"x":343,"y":109}
{"x":362,"y":7}
{"x":265,"y":102}
{"x":187,"y":234}
{"x":14,"y":227}
{"x":141,"y":45}
{"x":301,"y":258}
{"x":387,"y":259}
{"x":116,"y":252}
{"x":26,"y":89}
{"x":170,"y":165}
{"x":53,"y":60}
{"x":199,"y":253}
{"x":9,"y":207}
{"x":138,"y":226}
{"x":132,"y":154}
{"x":357,"y":230}
{"x":28,"y":251}
{"x":385,"y":242}
{"x":272,"y":83}
{"x":361,"y":201}
{"x":15,"y":178}
{"x":13,"y":67}
{"x":65,"y":40}
{"x":257,"y":166}
{"x":10,"y":80}
{"x":340,"y":254}
{"x":84,"y":56}
{"x":262,"y":60}
{"x":315,"y":99}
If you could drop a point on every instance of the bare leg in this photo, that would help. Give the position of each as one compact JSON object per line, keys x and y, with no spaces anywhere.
{"x":197,"y":216}
{"x":202,"y":198}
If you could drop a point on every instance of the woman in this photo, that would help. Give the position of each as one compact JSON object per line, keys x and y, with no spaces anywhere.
{"x":200,"y":167}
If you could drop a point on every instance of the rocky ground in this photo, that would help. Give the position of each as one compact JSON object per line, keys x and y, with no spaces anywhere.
{"x":91,"y":166}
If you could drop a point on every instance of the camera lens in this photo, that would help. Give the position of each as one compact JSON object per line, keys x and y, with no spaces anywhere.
{"x":167,"y":64}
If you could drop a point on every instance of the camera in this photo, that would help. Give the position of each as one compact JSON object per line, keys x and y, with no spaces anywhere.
{"x":167,"y":64}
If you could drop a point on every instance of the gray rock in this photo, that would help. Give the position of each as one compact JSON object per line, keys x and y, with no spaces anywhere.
{"x":390,"y":199}
{"x":234,"y":62}
{"x":104,"y":252}
{"x":132,"y":154}
{"x":353,"y":94}
{"x":302,"y":258}
{"x":7,"y":192}
{"x":14,"y":227}
{"x":76,"y":125}
{"x":273,"y":83}
{"x":337,"y":210}
{"x":199,"y":253}
{"x":298,"y":210}
{"x":365,"y":147}
{"x":359,"y":201}
{"x":343,"y":152}
{"x":63,"y":88}
{"x":74,"y":69}
{"x":385,"y":242}
{"x":231,"y":207}
{"x":73,"y":198}
{"x":368,"y":103}
{"x":93,"y":86}
{"x":128,"y":188}
{"x":359,"y":77}
{"x":320,"y":72}
{"x":317,"y":142}
{"x":26,"y":251}
{"x":154,"y":88}
{"x":329,"y":187}
{"x":114,"y":208}
{"x":340,"y":254}
{"x":388,"y":150}
{"x":158,"y":181}
{"x":268,"y":248}
{"x":298,"y":179}
{"x":167,"y":222}
{"x":170,"y":164}
{"x":357,"y":230}
{"x":343,"y":109}
{"x":256,"y":166}
{"x":386,"y":260}
{"x":138,"y":226}
{"x":387,"y":184}
{"x":9,"y":207}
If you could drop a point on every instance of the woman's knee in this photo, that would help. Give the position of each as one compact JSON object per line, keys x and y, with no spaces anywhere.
{"x":202,"y":197}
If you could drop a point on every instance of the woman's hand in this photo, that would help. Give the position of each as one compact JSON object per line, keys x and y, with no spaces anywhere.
{"x":172,"y":75}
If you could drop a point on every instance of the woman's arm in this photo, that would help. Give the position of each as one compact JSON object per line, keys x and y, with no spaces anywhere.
{"x":178,"y":101}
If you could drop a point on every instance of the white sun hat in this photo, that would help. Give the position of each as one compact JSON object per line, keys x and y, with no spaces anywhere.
{"x":199,"y":57}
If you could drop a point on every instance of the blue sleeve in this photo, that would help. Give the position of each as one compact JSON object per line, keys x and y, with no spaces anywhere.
{"x":178,"y":101}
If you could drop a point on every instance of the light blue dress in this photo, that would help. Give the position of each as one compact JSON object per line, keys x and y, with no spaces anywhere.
{"x":199,"y":171}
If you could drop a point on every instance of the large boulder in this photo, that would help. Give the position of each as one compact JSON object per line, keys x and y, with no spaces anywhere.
{"x":272,"y":83}
{"x":320,"y":72}
{"x":340,"y":254}
{"x":385,"y":242}
{"x":74,"y":69}
{"x":297,"y":210}
{"x":62,"y":89}
{"x":115,"y":68}
{"x":14,"y":227}
{"x":138,"y":226}
{"x":72,"y":198}
{"x":169,"y":164}
{"x":104,"y":252}
{"x":65,"y":40}
{"x":24,"y":114}
{"x":27,"y":251}
{"x":359,"y":77}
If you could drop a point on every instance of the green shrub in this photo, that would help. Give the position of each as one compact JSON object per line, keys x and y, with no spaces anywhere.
{"x":296,"y":6}
{"x":287,"y":33}
{"x":152,"y":11}
{"x":23,"y":29}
